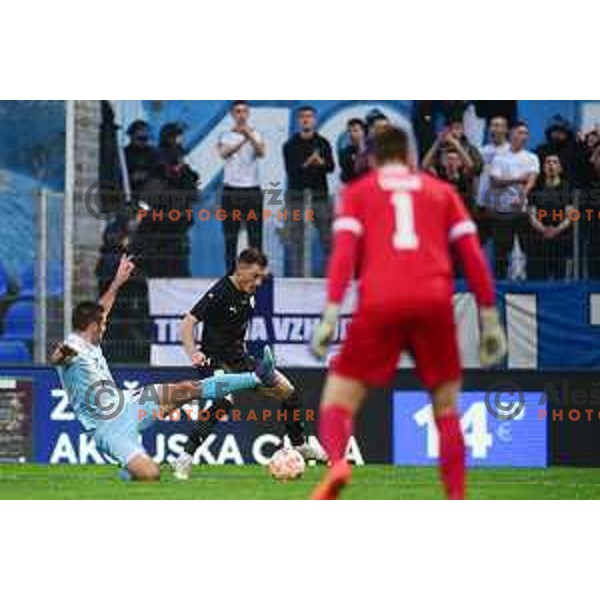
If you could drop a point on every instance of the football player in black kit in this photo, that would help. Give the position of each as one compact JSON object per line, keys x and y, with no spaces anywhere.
{"x":225,"y":311}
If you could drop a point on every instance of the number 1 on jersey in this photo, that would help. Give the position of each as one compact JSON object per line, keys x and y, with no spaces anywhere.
{"x":405,"y":236}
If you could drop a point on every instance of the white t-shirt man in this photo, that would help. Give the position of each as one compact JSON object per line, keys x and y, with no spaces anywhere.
{"x":488,"y":154}
{"x":513,"y":165}
{"x":241,"y":168}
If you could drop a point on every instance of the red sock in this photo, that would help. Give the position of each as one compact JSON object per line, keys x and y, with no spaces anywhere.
{"x":336,"y":423}
{"x":452,"y":456}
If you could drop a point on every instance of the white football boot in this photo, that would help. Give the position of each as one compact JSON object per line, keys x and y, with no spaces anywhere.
{"x":314,"y":453}
{"x":182,"y":466}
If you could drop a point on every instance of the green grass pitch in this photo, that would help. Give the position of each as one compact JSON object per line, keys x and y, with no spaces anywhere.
{"x":252,"y":482}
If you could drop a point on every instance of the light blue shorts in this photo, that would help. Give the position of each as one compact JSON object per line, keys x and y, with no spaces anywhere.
{"x":119,"y":437}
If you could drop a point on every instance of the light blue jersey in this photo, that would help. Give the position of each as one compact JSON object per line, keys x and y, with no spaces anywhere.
{"x":115,"y":416}
{"x":112,"y":415}
{"x":81,"y":378}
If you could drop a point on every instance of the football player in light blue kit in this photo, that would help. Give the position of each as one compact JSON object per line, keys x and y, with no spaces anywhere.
{"x":116,"y":417}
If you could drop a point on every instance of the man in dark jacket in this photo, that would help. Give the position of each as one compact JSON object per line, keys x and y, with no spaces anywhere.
{"x":348,"y":155}
{"x":164,"y":241}
{"x":375,"y":122}
{"x":590,"y":227}
{"x":308,"y":159}
{"x":548,"y":241}
{"x":561,"y":142}
{"x":140,"y":155}
{"x":453,"y":137}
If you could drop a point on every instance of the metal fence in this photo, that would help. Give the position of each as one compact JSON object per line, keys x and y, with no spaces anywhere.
{"x":32,"y":293}
{"x":50,"y":290}
{"x":529,"y":257}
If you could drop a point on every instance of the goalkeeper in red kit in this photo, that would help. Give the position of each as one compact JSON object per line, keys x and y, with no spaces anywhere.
{"x":397,"y":230}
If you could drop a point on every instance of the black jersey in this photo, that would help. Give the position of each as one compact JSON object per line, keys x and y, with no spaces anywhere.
{"x":552,"y":199}
{"x":225,"y":312}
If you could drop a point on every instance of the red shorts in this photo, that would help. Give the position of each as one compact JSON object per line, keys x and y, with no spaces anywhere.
{"x":375,"y":341}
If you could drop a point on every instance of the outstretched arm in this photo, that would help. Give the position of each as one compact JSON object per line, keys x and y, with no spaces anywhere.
{"x":463,"y":235}
{"x":476,"y":270}
{"x":342,"y":265}
{"x":340,"y":271}
{"x":429,"y":158}
{"x":196,"y":315}
{"x":188,"y":325}
{"x":126,"y":268}
{"x":493,"y":345}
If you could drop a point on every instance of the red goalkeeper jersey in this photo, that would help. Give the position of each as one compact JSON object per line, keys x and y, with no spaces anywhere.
{"x":394,"y":230}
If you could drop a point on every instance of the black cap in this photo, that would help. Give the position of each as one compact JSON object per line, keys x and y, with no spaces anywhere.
{"x":169,"y":129}
{"x":137,"y":125}
{"x":374,"y":115}
{"x":559,"y":123}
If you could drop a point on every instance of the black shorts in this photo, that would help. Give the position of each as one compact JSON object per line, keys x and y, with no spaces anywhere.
{"x":238,"y":364}
{"x":245,"y":363}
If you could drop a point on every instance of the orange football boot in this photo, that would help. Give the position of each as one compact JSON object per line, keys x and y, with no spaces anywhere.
{"x":338,"y":476}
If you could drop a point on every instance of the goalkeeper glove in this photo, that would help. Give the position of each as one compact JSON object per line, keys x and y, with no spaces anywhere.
{"x":324,"y":331}
{"x":492,"y":345}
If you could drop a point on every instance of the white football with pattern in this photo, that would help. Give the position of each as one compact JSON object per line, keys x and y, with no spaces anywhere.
{"x":286,"y":464}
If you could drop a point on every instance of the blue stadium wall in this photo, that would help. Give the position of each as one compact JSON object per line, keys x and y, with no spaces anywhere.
{"x":557,"y":423}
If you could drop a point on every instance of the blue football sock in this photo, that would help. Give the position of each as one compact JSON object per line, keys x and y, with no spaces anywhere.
{"x":218,"y":386}
{"x":124,"y":475}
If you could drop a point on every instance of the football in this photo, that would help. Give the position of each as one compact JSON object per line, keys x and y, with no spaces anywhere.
{"x":286,"y":464}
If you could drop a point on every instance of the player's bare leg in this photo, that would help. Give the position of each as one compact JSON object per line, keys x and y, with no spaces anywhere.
{"x":142,"y":468}
{"x":342,"y":399}
{"x":452,"y":446}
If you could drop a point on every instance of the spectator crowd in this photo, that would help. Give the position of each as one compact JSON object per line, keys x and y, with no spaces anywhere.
{"x":160,"y":177}
{"x":527,"y":202}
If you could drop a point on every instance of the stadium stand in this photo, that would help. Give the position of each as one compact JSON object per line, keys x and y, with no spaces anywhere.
{"x":19,"y":322}
{"x":27,"y":281}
